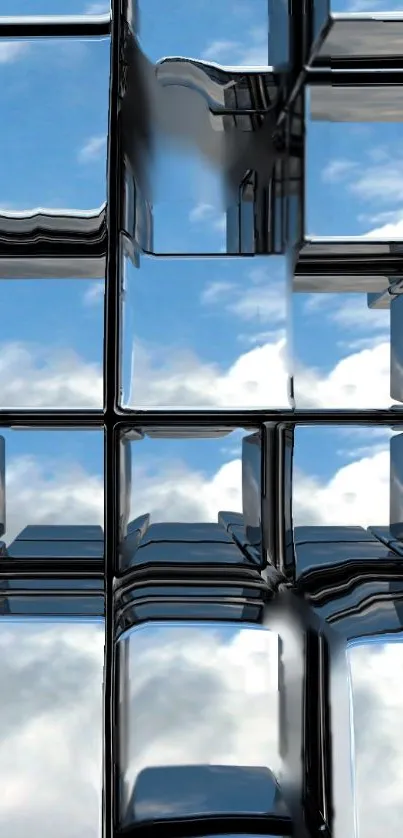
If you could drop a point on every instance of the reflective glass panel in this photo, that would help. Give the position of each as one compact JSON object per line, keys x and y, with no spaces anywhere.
{"x":198,"y":710}
{"x":207,"y":334}
{"x":52,"y":356}
{"x":376,"y":709}
{"x":54,"y":101}
{"x":51,"y":727}
{"x":353,"y":162}
{"x":54,"y":478}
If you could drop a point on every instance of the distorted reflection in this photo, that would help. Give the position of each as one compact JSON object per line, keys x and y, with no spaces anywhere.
{"x":174,"y":511}
{"x":371,"y":37}
{"x":228,"y":351}
{"x":53,"y":244}
{"x":51,"y":728}
{"x":376,"y":669}
{"x":205,"y":155}
{"x":203,"y":696}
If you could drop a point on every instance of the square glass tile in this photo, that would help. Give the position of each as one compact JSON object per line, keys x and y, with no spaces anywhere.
{"x":54,"y":101}
{"x":54,"y":478}
{"x":182,"y":499}
{"x":352,"y":368}
{"x":209,"y":334}
{"x":353,"y":162}
{"x":52,"y":355}
{"x":207,"y":681}
{"x":51,"y":711}
{"x":375,"y":667}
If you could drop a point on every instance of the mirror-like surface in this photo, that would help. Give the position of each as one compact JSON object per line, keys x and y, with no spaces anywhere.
{"x":375,"y":672}
{"x":192,"y":695}
{"x":207,"y":334}
{"x":52,"y":356}
{"x":182,"y":501}
{"x":53,"y":478}
{"x":53,"y":244}
{"x":54,"y":154}
{"x":51,"y":727}
{"x":353,"y":170}
{"x":341,"y":476}
{"x":352,"y":369}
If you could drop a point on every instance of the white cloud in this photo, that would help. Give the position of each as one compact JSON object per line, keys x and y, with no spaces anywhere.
{"x":51,"y":492}
{"x":93,"y":149}
{"x":94,"y":293}
{"x":259,"y":298}
{"x":337,"y":170}
{"x":252,"y":51}
{"x":101,"y":8}
{"x":12,"y":50}
{"x":47,"y":377}
{"x":50,"y":710}
{"x":219,"y":693}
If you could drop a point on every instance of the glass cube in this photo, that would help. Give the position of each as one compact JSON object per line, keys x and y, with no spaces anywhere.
{"x":205,"y":334}
{"x":375,"y":664}
{"x":52,"y":357}
{"x":210,"y":682}
{"x":353,"y":162}
{"x":352,"y":369}
{"x":342,"y":481}
{"x":188,"y":498}
{"x":51,"y":710}
{"x":54,"y":101}
{"x":53,"y":478}
{"x":193,"y":122}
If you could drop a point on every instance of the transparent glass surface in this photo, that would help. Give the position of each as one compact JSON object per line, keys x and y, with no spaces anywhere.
{"x":54,"y":101}
{"x":353,"y":365}
{"x":375,"y":666}
{"x":54,"y":478}
{"x":51,"y":356}
{"x":207,"y":334}
{"x":341,"y":476}
{"x":172,"y":493}
{"x":51,"y":727}
{"x":54,"y":7}
{"x":198,"y":130}
{"x":202,"y":696}
{"x":353,"y":163}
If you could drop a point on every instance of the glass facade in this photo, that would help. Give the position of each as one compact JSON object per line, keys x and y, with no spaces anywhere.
{"x":201,"y":448}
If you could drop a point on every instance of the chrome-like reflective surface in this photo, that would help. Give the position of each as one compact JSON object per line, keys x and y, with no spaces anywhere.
{"x":54,"y":244}
{"x":209,"y":121}
{"x":238,"y":525}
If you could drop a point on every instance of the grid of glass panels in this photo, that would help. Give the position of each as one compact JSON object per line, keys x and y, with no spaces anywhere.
{"x":201,"y":456}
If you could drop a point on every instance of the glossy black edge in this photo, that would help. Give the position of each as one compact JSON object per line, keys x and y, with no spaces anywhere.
{"x":114,"y":214}
{"x":360,"y":77}
{"x":46,"y":26}
{"x":122,"y":422}
{"x":202,"y":827}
